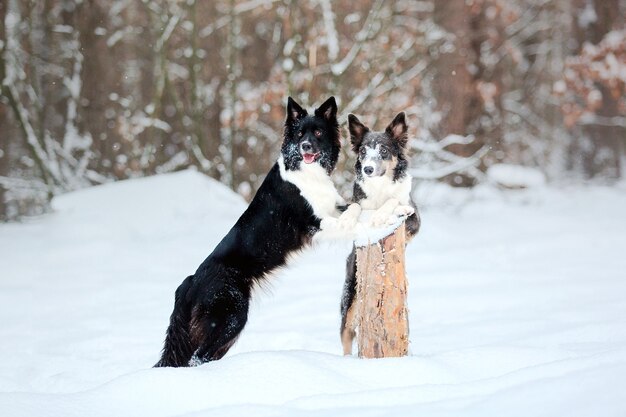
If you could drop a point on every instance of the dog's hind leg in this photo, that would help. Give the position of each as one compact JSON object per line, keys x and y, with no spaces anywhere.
{"x":347,"y":331}
{"x":217,"y":327}
{"x":178,"y":348}
{"x":347,"y":304}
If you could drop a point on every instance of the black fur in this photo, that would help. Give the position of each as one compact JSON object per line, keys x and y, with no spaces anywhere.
{"x":347,"y":298}
{"x":211,"y":306}
{"x":395,"y":139}
{"x":357,"y":193}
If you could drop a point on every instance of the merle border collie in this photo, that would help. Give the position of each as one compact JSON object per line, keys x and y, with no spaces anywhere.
{"x":382,"y":184}
{"x":211,"y":306}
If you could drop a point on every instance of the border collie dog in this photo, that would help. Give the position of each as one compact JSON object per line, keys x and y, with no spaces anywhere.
{"x":382,"y":184}
{"x":211,"y":306}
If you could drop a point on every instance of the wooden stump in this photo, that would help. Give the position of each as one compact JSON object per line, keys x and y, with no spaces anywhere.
{"x":381,"y":315}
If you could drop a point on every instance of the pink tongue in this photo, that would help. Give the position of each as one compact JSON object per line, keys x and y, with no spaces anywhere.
{"x":309,"y":157}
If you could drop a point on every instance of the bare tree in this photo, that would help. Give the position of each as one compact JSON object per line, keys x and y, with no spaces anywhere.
{"x":100,"y":90}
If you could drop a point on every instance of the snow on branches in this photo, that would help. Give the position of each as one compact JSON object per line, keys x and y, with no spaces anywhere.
{"x":596,"y":75}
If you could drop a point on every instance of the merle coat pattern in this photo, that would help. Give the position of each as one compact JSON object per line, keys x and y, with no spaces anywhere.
{"x":211,"y":306}
{"x":382,"y":184}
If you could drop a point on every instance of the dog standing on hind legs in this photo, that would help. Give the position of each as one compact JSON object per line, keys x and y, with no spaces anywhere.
{"x":382,"y":184}
{"x":295,"y":199}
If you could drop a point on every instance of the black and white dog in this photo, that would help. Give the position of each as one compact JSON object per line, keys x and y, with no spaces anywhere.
{"x":211,"y":306}
{"x":382,"y":184}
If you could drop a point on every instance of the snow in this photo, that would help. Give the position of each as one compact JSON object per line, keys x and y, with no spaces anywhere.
{"x":515,"y":176}
{"x":587,"y":16}
{"x":516,"y":308}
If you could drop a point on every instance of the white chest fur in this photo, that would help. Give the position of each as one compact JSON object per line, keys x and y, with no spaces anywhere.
{"x":380,"y":189}
{"x":315,"y":186}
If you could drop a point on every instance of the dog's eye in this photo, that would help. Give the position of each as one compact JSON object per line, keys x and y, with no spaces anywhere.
{"x":384,"y":151}
{"x":363,"y":151}
{"x":300,"y":134}
{"x":317,"y":133}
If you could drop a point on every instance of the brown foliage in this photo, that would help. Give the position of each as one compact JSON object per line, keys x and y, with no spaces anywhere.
{"x":596,"y":71}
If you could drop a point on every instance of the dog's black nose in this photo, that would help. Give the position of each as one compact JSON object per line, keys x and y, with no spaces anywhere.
{"x":368,"y":170}
{"x":306,"y":146}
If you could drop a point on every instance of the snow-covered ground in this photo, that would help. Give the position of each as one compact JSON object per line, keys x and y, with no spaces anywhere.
{"x":517,"y":308}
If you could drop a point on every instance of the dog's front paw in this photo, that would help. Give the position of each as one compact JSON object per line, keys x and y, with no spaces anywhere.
{"x":328,"y":224}
{"x":354,"y":209}
{"x":391,"y":220}
{"x":349,"y":218}
{"x":403,"y":211}
{"x":379,"y":218}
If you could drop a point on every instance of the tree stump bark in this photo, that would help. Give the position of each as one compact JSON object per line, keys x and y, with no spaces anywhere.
{"x":381,"y":315}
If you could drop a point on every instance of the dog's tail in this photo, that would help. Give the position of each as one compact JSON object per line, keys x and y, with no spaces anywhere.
{"x":178,"y":349}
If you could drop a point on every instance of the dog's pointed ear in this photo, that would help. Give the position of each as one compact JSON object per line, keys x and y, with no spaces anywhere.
{"x":294,"y":110}
{"x":397,"y":129}
{"x":328,"y":109}
{"x":357,"y":131}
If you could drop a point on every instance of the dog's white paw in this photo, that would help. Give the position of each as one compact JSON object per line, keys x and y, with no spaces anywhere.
{"x":392,"y":219}
{"x":328,"y":224}
{"x":379,"y":218}
{"x":403,"y":211}
{"x":349,"y":218}
{"x":354,"y":209}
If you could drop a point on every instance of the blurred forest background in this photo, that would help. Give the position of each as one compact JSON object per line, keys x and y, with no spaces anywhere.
{"x":100,"y":90}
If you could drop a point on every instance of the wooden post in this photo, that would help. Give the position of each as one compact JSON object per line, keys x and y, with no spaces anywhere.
{"x":381,"y":315}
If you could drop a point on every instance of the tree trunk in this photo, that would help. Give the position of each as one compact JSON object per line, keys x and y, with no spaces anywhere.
{"x":381,"y":314}
{"x":4,"y":123}
{"x":454,"y":86}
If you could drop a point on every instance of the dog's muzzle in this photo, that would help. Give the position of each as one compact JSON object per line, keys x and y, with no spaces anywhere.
{"x":306,"y":147}
{"x":309,"y":155}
